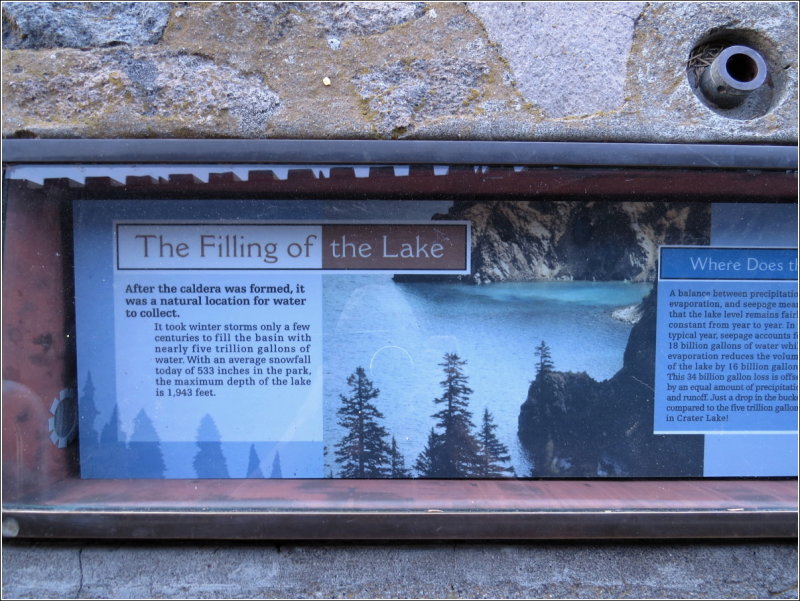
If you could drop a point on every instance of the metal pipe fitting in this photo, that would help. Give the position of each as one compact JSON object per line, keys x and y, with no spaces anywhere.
{"x":734,"y":74}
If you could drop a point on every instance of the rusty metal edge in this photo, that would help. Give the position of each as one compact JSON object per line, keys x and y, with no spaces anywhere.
{"x":401,"y":526}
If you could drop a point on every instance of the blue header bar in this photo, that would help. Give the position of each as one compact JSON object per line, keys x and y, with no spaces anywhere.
{"x":709,"y":263}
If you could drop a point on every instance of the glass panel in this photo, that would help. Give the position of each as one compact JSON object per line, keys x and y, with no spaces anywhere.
{"x":249,"y":337}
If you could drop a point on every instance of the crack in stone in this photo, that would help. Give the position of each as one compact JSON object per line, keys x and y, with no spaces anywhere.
{"x":634,"y":19}
{"x":80,"y":569}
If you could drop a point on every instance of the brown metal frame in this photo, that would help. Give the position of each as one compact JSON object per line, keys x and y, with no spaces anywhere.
{"x":415,"y":509}
{"x":63,"y":506}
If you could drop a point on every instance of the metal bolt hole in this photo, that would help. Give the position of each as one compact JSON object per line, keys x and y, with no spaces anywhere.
{"x":734,"y":73}
{"x":741,"y":67}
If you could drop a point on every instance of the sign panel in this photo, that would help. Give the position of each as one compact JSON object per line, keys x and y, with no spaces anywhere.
{"x":214,"y":368}
{"x":279,"y":339}
{"x":728,"y":322}
{"x":208,"y":348}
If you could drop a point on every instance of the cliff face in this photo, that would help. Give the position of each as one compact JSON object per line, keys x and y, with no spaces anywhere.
{"x":572,"y":426}
{"x":570,"y":240}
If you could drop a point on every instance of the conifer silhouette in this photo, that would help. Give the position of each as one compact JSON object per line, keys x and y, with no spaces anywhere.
{"x":276,"y":466}
{"x":209,"y":462}
{"x":397,"y":463}
{"x":363,"y":452}
{"x":112,"y":457}
{"x":145,"y":459}
{"x":493,"y":454}
{"x":254,"y":464}
{"x":452,"y":450}
{"x":87,"y":412}
{"x":427,"y":465}
{"x":545,"y":364}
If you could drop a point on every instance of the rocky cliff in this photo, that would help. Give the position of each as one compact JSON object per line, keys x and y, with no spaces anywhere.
{"x":572,"y":426}
{"x":573,"y":240}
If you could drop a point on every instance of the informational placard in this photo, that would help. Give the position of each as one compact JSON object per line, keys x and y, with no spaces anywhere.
{"x":215,"y":361}
{"x":435,"y":339}
{"x":727,"y":331}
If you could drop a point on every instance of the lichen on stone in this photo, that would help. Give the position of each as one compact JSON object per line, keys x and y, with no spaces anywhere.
{"x":83,"y":24}
{"x":402,"y":93}
{"x":363,"y":18}
{"x":157,"y":89}
{"x":544,"y":71}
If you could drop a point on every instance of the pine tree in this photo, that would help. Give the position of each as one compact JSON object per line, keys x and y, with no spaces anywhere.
{"x":326,"y":462}
{"x":276,"y":466}
{"x":455,"y":454}
{"x":545,"y":363}
{"x":111,"y":460}
{"x":397,"y":463}
{"x":145,"y":459}
{"x":427,"y":464}
{"x":112,"y":429}
{"x":493,"y":454}
{"x":363,"y":452}
{"x":209,"y":462}
{"x":87,"y":412}
{"x":254,"y":464}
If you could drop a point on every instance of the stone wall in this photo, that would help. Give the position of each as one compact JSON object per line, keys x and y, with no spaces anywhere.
{"x":513,"y":71}
{"x":544,"y":71}
{"x":758,"y":570}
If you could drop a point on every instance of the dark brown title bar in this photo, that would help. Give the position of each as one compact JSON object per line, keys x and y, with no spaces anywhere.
{"x":436,"y":247}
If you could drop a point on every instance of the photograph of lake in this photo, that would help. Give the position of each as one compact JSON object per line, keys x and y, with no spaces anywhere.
{"x":399,"y":333}
{"x":525,"y":355}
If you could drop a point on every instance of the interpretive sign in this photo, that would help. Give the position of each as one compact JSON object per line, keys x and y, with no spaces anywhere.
{"x":727,"y":332}
{"x":216,"y":354}
{"x":202,"y":339}
{"x":456,"y":341}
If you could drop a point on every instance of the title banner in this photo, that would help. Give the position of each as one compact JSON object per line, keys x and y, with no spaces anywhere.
{"x":694,"y":263}
{"x":417,"y":248}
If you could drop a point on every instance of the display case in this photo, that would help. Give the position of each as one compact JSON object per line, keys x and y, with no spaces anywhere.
{"x":398,"y":340}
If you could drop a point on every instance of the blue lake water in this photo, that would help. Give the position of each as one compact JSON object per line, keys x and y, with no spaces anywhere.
{"x":399,"y":334}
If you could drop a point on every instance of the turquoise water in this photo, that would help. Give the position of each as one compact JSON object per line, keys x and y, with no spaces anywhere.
{"x":399,"y":333}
